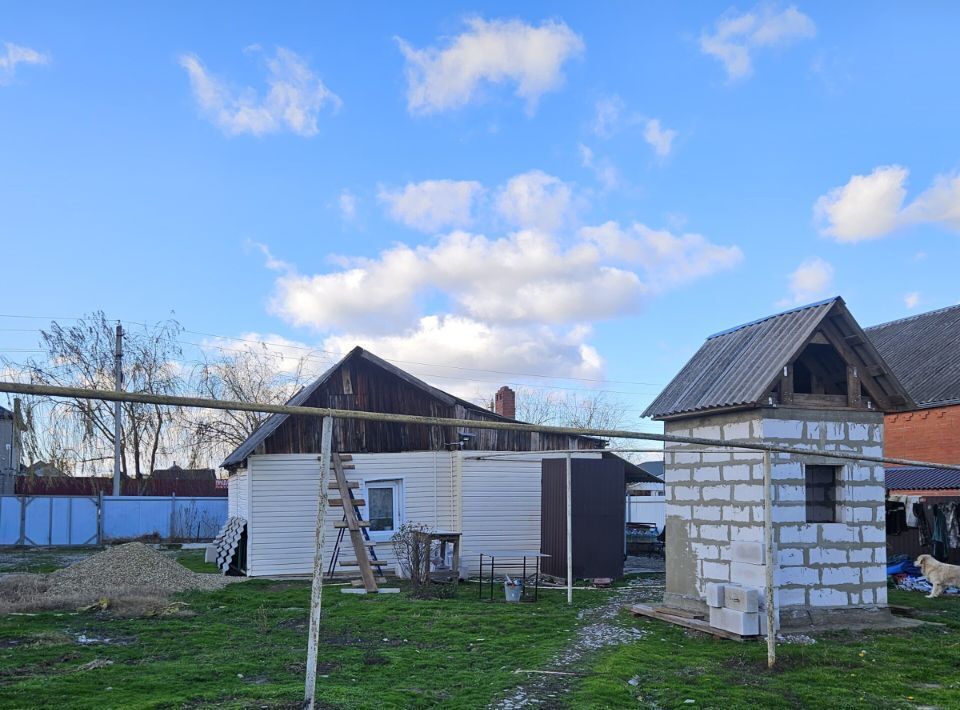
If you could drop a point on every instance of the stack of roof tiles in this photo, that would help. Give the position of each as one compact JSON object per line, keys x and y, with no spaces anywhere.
{"x":227,"y":541}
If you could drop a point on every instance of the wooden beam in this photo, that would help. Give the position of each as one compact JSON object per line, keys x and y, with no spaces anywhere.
{"x":853,"y":386}
{"x":838,"y":341}
{"x":786,"y":385}
{"x":338,"y":503}
{"x":695,"y":624}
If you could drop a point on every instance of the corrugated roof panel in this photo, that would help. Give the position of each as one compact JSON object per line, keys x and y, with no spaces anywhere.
{"x":735,"y":367}
{"x":924,"y":353}
{"x":916,"y":478}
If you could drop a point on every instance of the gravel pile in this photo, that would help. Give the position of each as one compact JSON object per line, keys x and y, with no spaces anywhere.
{"x":133,"y":567}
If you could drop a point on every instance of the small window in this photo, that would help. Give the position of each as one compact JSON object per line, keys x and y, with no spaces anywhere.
{"x":822,"y":484}
{"x":383,"y":507}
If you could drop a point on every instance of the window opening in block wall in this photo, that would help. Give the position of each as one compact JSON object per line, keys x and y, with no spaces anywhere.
{"x":823,"y":493}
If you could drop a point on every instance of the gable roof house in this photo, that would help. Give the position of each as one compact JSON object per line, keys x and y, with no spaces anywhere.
{"x":404,"y":472}
{"x":806,"y":378}
{"x":924,"y":352}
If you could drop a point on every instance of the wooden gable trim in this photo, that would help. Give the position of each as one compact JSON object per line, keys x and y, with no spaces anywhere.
{"x":838,"y":341}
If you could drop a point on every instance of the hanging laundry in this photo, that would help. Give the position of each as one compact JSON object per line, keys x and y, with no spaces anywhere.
{"x":940,"y":537}
{"x":896,"y":517}
{"x":950,"y":513}
{"x":923,"y":525}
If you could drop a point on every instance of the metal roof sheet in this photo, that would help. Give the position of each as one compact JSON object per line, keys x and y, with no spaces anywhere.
{"x":915,"y":478}
{"x":735,"y":367}
{"x":924,"y":353}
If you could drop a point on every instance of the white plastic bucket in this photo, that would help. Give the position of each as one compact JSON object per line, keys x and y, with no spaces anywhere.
{"x":513,"y":591}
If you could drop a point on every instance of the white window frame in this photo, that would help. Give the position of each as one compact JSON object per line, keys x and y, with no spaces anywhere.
{"x":397,"y":485}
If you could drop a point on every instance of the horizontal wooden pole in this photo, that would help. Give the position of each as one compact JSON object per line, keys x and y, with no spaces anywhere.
{"x":204,"y":403}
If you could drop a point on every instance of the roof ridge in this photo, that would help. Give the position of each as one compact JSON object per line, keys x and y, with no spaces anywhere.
{"x":775,"y":315}
{"x":916,"y":316}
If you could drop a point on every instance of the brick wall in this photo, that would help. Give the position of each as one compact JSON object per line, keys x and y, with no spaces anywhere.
{"x":714,"y":500}
{"x":924,"y":435}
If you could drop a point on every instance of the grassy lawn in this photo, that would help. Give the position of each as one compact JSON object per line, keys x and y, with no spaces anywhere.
{"x":912,"y":668}
{"x":244,"y":646}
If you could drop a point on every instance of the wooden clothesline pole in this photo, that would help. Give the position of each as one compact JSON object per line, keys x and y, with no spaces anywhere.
{"x":205,"y":403}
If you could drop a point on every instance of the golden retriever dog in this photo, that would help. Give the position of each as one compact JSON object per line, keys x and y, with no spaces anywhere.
{"x":939,"y":574}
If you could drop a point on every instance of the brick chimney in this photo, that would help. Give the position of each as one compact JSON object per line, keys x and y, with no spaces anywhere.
{"x":505,"y":402}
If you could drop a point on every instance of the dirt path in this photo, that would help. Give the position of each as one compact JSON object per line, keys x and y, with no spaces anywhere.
{"x":598,"y":628}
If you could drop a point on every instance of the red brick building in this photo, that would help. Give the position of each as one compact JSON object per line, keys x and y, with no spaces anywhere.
{"x":924,"y":353}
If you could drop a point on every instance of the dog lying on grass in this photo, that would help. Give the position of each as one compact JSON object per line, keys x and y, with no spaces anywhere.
{"x":939,"y":574}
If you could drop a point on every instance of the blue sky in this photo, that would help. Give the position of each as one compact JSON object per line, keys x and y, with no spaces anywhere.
{"x":583,"y":192}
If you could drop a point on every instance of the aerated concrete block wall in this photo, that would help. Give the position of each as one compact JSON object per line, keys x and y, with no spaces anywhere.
{"x":715,"y":499}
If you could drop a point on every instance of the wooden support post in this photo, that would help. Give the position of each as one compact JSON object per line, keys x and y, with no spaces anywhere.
{"x":770,"y":559}
{"x":569,"y":529}
{"x":316,"y":591}
{"x":853,"y":386}
{"x":786,"y":385}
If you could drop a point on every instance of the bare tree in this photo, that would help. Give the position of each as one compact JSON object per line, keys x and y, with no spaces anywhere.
{"x":72,"y":433}
{"x":254,"y":374}
{"x":590,"y":410}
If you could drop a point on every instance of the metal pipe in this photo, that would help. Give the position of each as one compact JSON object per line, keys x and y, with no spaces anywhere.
{"x":201,"y":402}
{"x":316,"y":590}
{"x":569,"y":529}
{"x":770,"y":560}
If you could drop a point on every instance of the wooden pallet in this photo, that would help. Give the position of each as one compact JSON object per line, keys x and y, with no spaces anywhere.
{"x":687,"y":622}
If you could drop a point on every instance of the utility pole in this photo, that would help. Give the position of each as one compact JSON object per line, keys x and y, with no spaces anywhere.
{"x":117,"y":426}
{"x":15,"y":438}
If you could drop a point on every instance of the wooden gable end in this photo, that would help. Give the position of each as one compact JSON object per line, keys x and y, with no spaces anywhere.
{"x":837,"y":368}
{"x":360,"y":385}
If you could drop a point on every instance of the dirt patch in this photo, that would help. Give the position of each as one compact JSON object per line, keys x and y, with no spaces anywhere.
{"x":129,"y":580}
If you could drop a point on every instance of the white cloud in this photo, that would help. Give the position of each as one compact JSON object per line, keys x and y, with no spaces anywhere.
{"x":14,"y":55}
{"x":451,"y":343}
{"x":525,"y":277}
{"x":293,"y":102}
{"x":811,"y":280}
{"x":609,"y":114}
{"x":938,"y":204}
{"x":736,"y":37}
{"x":659,"y":138}
{"x":872,"y":206}
{"x":667,"y":260}
{"x":432,"y":205}
{"x":519,"y":301}
{"x":866,"y":207}
{"x":489,"y":52}
{"x":912,"y":299}
{"x":604,"y":170}
{"x":347,"y":202}
{"x":536,"y":200}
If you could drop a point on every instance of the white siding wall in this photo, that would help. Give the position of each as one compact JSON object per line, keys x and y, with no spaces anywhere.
{"x":501,"y":504}
{"x":284,"y":505}
{"x":238,"y":488}
{"x":494,"y":502}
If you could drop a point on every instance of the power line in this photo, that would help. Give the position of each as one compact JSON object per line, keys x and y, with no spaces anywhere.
{"x":317,"y":353}
{"x":293,"y":346}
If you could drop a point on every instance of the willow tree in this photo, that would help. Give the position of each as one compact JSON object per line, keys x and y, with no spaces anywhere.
{"x":77,"y":433}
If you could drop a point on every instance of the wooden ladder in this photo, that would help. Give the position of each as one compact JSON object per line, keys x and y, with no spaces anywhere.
{"x":353,"y":522}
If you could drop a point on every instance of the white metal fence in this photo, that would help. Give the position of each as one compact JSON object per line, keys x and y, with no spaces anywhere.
{"x":94,"y":520}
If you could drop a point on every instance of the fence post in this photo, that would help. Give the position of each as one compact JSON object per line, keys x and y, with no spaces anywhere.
{"x":23,"y":520}
{"x":99,"y":517}
{"x":173,"y":514}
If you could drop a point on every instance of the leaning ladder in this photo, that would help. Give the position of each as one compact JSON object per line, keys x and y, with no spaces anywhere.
{"x":353,"y":522}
